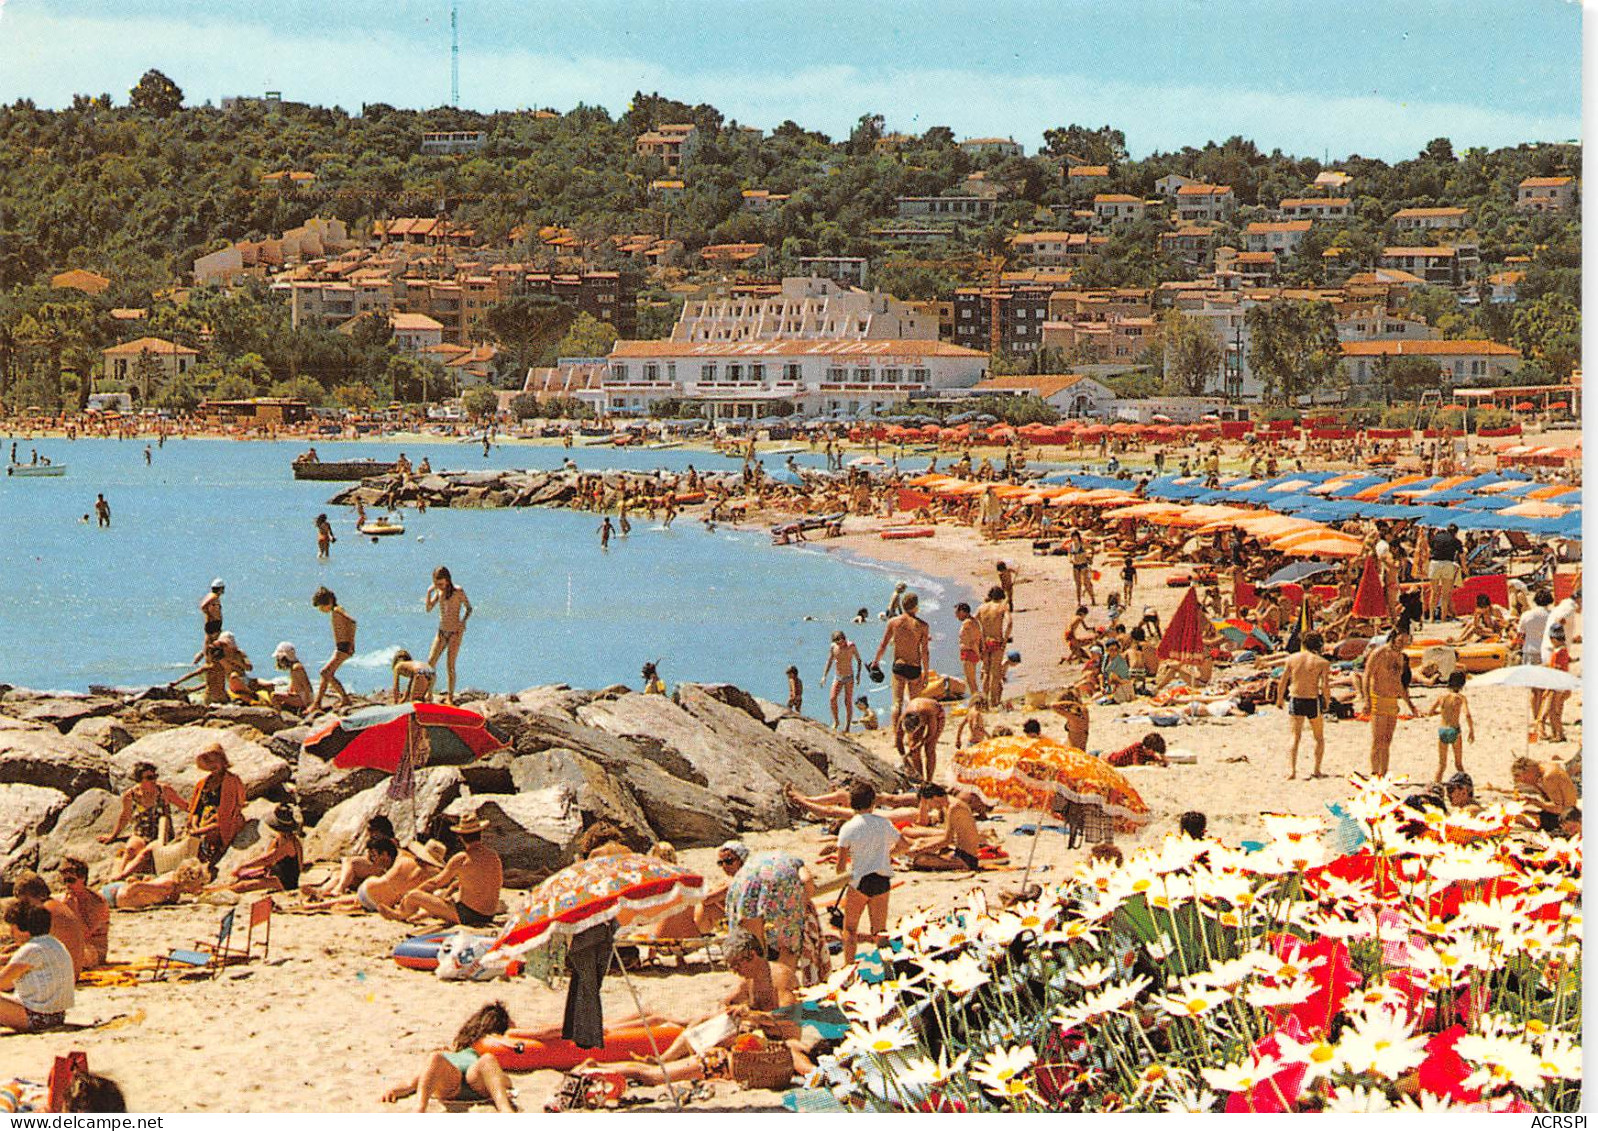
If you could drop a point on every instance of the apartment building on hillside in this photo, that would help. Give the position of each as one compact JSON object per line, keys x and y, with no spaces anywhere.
{"x":804,"y":309}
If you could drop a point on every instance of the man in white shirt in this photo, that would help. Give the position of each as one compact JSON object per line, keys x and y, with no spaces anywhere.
{"x":866,"y":845}
{"x":1564,"y":616}
{"x":40,"y":971}
{"x":1534,"y":626}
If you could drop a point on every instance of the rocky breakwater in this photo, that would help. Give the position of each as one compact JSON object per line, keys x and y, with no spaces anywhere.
{"x":563,"y":488}
{"x":702,"y":765}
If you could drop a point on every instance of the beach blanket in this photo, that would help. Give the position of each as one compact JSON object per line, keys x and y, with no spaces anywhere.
{"x":112,"y":975}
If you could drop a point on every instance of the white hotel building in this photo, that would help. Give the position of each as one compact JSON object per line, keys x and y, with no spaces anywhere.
{"x":826,"y":349}
{"x":743,"y":380}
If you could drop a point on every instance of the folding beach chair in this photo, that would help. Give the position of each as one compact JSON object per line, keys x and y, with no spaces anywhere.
{"x":208,"y":957}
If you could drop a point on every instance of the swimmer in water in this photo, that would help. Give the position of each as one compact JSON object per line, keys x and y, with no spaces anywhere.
{"x":324,"y":536}
{"x":325,"y":601}
{"x":605,"y":531}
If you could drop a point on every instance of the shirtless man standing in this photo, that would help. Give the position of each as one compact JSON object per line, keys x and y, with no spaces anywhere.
{"x":921,"y":721}
{"x":911,"y":640}
{"x":844,"y":660}
{"x":993,"y":616}
{"x":211,"y":610}
{"x":1384,"y":687}
{"x":475,"y":872}
{"x":1307,"y":678}
{"x":970,"y":647}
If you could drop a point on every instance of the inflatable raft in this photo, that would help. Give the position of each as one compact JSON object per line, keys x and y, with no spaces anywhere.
{"x":382,"y":528}
{"x":906,"y":532}
{"x":525,"y":1054}
{"x":420,"y":952}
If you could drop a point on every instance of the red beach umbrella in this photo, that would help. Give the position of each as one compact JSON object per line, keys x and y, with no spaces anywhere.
{"x":1560,"y":404}
{"x":1184,"y":638}
{"x":376,"y":737}
{"x":1525,"y":406}
{"x":1370,"y":601}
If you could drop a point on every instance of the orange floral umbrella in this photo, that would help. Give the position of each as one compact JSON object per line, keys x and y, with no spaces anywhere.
{"x":990,"y":766}
{"x":1082,"y":779}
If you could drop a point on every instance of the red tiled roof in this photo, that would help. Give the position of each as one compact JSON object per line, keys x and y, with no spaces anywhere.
{"x":1477,"y":347}
{"x":151,"y":345}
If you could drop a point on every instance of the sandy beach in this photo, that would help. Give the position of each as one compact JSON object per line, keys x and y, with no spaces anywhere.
{"x":330,"y":1021}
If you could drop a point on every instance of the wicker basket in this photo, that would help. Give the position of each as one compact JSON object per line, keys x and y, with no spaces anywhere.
{"x":770,"y":1068}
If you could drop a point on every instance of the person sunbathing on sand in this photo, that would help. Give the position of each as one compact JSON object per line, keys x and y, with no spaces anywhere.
{"x":407,"y":869}
{"x":354,"y":869}
{"x":475,"y":874}
{"x":956,"y":847}
{"x":130,"y":895}
{"x":459,"y":1072}
{"x":276,"y":869}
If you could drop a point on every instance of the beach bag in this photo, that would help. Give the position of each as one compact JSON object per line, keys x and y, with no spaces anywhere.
{"x":460,"y":959}
{"x":165,"y":858}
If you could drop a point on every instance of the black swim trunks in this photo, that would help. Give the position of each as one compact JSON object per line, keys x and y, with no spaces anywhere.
{"x":470,"y":917}
{"x":213,"y":627}
{"x":874,"y":885}
{"x":966,"y":858}
{"x":907,"y":671}
{"x":1305,"y":708}
{"x":344,"y":647}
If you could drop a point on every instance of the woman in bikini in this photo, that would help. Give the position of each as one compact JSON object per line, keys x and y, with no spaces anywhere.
{"x":460,"y":1073}
{"x":278,"y":868}
{"x":146,"y":806}
{"x":188,"y":878}
{"x":325,"y":601}
{"x":324,"y":536}
{"x":421,"y":677}
{"x":454,"y":610}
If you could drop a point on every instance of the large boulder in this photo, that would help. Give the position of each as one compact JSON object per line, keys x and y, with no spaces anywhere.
{"x":730,"y":748}
{"x":26,"y":812}
{"x":679,"y":808}
{"x":599,"y":795}
{"x":174,"y":751}
{"x":532,"y":832}
{"x":172,"y":713}
{"x":320,"y":785}
{"x":46,"y":757}
{"x":343,"y":827}
{"x":491,"y":774}
{"x":252,"y":839}
{"x":837,"y":755}
{"x":90,"y":815}
{"x":264,"y":719}
{"x":62,"y":712}
{"x":105,"y":731}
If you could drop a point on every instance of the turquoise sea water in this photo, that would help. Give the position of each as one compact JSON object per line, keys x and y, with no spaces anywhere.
{"x":82,"y":605}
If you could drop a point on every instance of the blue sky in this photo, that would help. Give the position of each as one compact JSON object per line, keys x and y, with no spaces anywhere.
{"x":1345,"y":76}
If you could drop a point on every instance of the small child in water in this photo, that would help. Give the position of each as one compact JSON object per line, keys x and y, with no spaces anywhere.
{"x":1451,"y":705}
{"x":863,"y":712}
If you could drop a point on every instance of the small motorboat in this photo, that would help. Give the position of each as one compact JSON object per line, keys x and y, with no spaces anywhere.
{"x":30,"y":470}
{"x":385,"y":527}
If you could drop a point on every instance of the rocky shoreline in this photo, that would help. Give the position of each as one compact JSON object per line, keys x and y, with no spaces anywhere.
{"x":704,"y":764}
{"x":512,"y":488}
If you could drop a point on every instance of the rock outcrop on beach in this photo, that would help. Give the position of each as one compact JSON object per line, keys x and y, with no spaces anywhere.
{"x":508,"y":488}
{"x":694,"y":768}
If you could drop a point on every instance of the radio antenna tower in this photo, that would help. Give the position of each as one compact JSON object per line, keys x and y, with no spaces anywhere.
{"x":454,"y":54}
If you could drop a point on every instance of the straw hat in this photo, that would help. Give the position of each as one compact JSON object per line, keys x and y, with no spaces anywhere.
{"x":431,"y":853}
{"x":469,"y":825}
